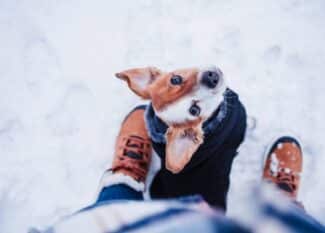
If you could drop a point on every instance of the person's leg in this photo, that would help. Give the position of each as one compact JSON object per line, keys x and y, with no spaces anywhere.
{"x":119,"y":192}
{"x":125,"y":179}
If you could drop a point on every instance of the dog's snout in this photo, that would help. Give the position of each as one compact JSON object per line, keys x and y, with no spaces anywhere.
{"x":210,"y":79}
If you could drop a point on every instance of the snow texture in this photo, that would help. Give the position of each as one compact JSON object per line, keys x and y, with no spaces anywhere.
{"x":61,"y":107}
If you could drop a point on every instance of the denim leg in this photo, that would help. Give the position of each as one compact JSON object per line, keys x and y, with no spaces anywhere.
{"x":296,"y":219}
{"x":118,"y":192}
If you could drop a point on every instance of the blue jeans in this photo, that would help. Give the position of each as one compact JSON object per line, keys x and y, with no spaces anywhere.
{"x":118,"y":192}
{"x":296,"y":220}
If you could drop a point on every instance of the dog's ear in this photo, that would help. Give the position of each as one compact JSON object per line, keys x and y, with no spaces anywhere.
{"x":139,"y":79}
{"x":181,"y":144}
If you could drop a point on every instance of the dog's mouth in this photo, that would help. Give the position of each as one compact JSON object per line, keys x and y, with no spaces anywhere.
{"x":182,"y":143}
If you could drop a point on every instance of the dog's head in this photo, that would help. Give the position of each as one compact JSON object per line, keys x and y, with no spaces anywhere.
{"x":183,"y":99}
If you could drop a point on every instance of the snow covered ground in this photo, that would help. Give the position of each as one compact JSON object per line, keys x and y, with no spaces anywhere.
{"x":60,"y":106}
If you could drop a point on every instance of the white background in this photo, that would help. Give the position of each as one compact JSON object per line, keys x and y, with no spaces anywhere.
{"x":61,"y":107}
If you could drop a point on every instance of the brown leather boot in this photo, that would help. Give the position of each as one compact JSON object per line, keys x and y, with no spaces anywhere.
{"x":283,"y":166}
{"x":132,"y":154}
{"x":133,"y":147}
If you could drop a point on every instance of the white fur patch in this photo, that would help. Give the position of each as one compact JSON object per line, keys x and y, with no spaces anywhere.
{"x":207,"y":99}
{"x":109,"y":179}
{"x":274,"y":166}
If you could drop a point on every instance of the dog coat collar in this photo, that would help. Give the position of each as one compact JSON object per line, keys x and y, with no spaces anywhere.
{"x":157,"y":128}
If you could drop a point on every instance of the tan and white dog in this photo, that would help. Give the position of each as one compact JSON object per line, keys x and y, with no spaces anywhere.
{"x":183,"y":99}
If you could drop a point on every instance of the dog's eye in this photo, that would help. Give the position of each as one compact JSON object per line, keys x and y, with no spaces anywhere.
{"x":176,"y":80}
{"x":195,"y":110}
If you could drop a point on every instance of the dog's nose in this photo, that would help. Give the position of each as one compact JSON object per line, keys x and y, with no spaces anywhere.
{"x":210,"y":79}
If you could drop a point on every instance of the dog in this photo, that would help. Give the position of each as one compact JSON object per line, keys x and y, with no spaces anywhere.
{"x":196,"y":124}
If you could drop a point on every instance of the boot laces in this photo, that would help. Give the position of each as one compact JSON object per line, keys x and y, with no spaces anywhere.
{"x":286,"y":179}
{"x":134,"y":155}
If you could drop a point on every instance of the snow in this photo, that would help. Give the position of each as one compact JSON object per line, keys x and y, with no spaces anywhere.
{"x":61,"y":105}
